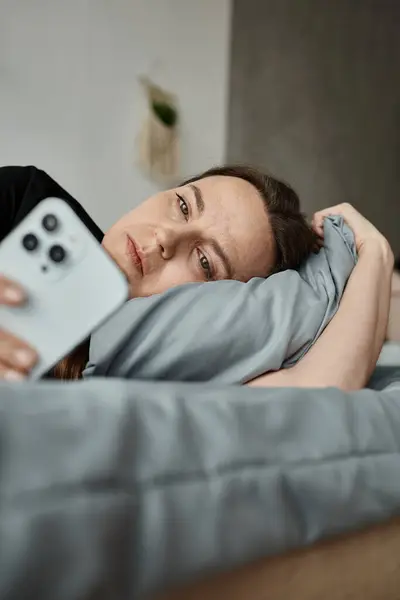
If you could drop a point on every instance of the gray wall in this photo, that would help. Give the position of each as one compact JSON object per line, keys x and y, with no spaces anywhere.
{"x":315,"y":99}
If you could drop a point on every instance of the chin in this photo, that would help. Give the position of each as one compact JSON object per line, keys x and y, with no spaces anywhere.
{"x":132,"y":293}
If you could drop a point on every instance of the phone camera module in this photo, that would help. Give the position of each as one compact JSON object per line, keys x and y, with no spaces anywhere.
{"x":57,"y":253}
{"x":30,"y":242}
{"x":50,"y":223}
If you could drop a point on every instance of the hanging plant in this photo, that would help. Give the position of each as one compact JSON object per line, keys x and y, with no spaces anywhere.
{"x":166,"y":113}
{"x":159,"y":143}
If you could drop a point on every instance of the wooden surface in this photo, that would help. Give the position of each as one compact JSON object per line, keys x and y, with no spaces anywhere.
{"x":361,"y":566}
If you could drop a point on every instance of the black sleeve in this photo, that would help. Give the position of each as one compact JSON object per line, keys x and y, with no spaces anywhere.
{"x":22,"y":188}
{"x":14,"y":182}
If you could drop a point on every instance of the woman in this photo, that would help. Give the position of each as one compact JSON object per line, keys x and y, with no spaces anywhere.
{"x":228,"y":223}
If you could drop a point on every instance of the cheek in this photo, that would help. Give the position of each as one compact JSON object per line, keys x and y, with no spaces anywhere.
{"x":150,"y":211}
{"x":113,"y":241}
{"x":115,"y":238}
{"x":173,"y":274}
{"x":116,"y":230}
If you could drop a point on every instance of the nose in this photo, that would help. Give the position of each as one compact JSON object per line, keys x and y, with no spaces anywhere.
{"x":167,"y":241}
{"x":170,"y":238}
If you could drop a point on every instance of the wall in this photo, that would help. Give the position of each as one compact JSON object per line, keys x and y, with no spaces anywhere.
{"x":70,"y":101}
{"x":315,"y":98}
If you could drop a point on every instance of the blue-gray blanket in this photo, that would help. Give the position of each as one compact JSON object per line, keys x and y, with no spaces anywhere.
{"x":113,"y":488}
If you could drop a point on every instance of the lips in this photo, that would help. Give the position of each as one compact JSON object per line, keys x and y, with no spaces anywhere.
{"x":134,"y":254}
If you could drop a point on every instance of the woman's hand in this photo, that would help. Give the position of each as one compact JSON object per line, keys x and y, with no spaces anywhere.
{"x":365,"y":234}
{"x":16,"y":357}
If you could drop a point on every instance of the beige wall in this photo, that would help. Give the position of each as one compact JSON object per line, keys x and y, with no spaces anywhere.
{"x":70,"y":98}
{"x":315,"y":98}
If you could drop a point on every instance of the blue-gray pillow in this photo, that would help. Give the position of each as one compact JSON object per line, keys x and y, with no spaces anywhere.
{"x":227,"y":331}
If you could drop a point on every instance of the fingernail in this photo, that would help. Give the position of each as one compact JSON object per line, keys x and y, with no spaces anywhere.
{"x":24,"y":358}
{"x":13,"y":294}
{"x":13,"y":376}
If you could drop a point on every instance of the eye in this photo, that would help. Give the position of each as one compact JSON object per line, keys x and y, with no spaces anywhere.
{"x":183,"y":206}
{"x":206,"y":267}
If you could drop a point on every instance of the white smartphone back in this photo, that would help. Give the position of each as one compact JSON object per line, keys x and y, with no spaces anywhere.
{"x":71,"y":282}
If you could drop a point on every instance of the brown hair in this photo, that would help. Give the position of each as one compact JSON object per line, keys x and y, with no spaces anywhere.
{"x":72,"y":366}
{"x":294,"y":240}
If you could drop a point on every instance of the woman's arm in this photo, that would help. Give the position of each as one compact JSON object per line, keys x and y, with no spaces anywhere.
{"x":347,"y":351}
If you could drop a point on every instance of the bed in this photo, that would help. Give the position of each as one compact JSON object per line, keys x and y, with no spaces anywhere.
{"x":136,"y":486}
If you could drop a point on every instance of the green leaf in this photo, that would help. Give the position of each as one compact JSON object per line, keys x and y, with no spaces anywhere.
{"x":166,"y":113}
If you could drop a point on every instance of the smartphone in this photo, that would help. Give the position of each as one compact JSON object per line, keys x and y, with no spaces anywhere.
{"x":72,"y":284}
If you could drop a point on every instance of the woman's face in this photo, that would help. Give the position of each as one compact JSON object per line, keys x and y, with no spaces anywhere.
{"x":214,"y":228}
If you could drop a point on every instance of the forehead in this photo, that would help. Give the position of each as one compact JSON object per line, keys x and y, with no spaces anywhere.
{"x":235,"y":212}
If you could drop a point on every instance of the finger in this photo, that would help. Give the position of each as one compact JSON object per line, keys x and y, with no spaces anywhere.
{"x":320,"y":216}
{"x":16,"y":354}
{"x":318,"y":225}
{"x":10,"y":292}
{"x":319,"y":243}
{"x":8,"y":374}
{"x":319,"y":230}
{"x":333,"y":210}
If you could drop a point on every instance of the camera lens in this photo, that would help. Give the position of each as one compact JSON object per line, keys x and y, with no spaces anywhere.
{"x":57,"y":253}
{"x":50,"y":222}
{"x":30,"y":242}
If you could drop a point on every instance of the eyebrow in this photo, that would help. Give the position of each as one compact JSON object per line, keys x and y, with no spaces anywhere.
{"x":217,"y":248}
{"x":224,"y":259}
{"x":198,"y":197}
